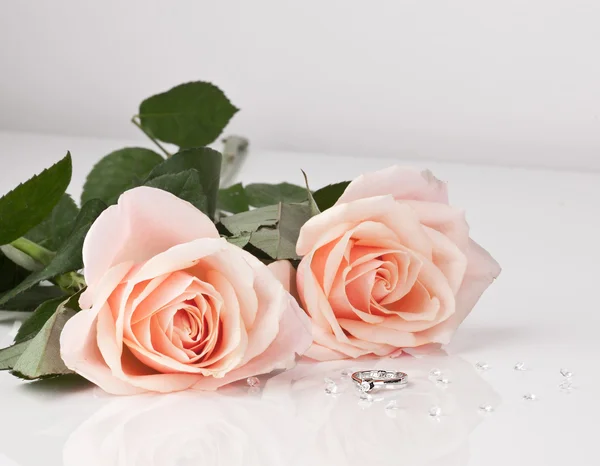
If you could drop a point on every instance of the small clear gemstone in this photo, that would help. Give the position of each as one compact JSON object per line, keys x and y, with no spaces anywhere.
{"x":392,"y":405}
{"x":331,"y":388}
{"x":482,"y":366}
{"x":530,"y":397}
{"x":381,"y":374}
{"x":520,"y":366}
{"x":566,"y":385}
{"x":374,"y":374}
{"x":328,"y":380}
{"x":566,"y":373}
{"x":435,"y":411}
{"x":486,"y":408}
{"x":253,"y":391}
{"x":253,"y":381}
{"x":365,"y":387}
{"x":435,"y":372}
{"x":442,"y":381}
{"x":390,"y":375}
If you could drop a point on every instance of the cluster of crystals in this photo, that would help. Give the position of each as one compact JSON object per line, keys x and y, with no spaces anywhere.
{"x":435,"y":374}
{"x":438,"y":377}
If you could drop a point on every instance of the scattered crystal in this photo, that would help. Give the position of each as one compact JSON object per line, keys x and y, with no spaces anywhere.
{"x":566,"y":385}
{"x":390,"y":375}
{"x":374,"y":374}
{"x":253,"y":381}
{"x":520,"y":366}
{"x":253,"y":391}
{"x":482,"y":366}
{"x":530,"y":397}
{"x":566,"y":373}
{"x":392,"y":405}
{"x":331,"y":388}
{"x":486,"y":408}
{"x":435,"y":372}
{"x":435,"y":411}
{"x":442,"y":381}
{"x":347,"y":373}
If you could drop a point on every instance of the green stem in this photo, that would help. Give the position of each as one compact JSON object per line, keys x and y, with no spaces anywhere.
{"x":153,"y":139}
{"x":70,"y":281}
{"x":33,"y":250}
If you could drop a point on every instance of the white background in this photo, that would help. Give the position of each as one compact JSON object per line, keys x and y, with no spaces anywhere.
{"x":504,"y":82}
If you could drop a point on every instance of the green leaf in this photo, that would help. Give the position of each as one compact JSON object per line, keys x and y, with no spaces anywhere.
{"x":10,"y":355}
{"x":42,"y":358}
{"x":314,"y":208}
{"x":240,"y":240}
{"x":326,"y":197}
{"x":263,"y":194}
{"x":10,"y":273}
{"x":185,"y":185}
{"x":273,"y":229}
{"x":31,"y":202}
{"x":189,"y":115}
{"x":117,"y":172}
{"x":30,"y":299}
{"x":233,"y":199}
{"x":248,"y":222}
{"x":34,"y":323}
{"x":68,"y":257}
{"x":205,"y":161}
{"x":54,"y":229}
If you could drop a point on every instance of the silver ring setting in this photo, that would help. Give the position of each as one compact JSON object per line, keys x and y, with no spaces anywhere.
{"x":369,"y":380}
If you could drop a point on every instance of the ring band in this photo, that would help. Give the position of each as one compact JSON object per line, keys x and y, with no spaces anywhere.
{"x":372,"y":379}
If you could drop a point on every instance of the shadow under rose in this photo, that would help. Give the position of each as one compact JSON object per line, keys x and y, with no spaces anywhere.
{"x":292,"y":421}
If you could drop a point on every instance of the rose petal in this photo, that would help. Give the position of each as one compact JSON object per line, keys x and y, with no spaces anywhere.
{"x":294,"y":337}
{"x":285,"y":273}
{"x":481,"y":272}
{"x":401,"y":182}
{"x":145,"y":222}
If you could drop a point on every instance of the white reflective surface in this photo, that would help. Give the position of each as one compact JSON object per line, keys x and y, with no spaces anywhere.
{"x":289,"y":420}
{"x":542,"y":226}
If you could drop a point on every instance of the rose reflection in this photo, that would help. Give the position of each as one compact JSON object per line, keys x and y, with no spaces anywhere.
{"x":293,"y":422}
{"x":181,"y":429}
{"x":351,"y":431}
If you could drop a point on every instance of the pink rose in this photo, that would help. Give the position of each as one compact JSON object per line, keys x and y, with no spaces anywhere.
{"x":170,"y":305}
{"x":390,"y":266}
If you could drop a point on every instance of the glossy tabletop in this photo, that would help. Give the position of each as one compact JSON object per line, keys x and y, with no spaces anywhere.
{"x":542,"y":226}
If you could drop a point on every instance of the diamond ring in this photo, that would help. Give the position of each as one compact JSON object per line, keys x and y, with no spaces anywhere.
{"x":373,"y":379}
